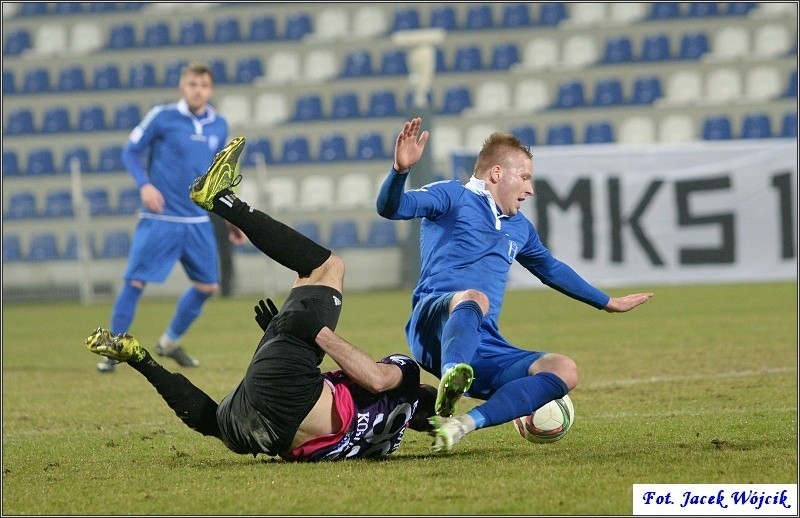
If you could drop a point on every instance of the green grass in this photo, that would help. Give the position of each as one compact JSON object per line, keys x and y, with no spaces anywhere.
{"x":699,"y":385}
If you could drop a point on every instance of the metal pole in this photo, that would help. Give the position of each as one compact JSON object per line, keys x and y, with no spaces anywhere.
{"x":82,"y":220}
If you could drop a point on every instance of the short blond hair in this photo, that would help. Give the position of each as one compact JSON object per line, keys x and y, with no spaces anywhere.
{"x":496,"y":148}
{"x":197,"y":69}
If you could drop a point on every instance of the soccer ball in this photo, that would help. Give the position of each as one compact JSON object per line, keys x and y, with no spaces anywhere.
{"x":549,"y":423}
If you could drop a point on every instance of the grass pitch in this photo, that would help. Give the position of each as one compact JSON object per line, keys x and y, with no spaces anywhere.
{"x":699,"y":385}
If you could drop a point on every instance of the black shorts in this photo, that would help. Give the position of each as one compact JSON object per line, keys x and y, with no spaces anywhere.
{"x":282,"y":383}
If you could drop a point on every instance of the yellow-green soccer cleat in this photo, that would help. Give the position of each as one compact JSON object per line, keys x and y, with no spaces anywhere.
{"x":220,"y":176}
{"x":122,"y":347}
{"x":454,"y":383}
{"x":447,"y":431}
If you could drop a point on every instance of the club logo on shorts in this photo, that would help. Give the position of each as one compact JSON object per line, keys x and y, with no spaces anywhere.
{"x":337,"y":301}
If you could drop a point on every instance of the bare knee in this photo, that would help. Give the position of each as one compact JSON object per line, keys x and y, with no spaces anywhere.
{"x":208,"y":289}
{"x":562,"y":366}
{"x":330,"y":273}
{"x":473,"y":295}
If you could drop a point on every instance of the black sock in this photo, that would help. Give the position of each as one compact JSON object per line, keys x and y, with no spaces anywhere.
{"x":275,"y":239}
{"x":193,"y":406}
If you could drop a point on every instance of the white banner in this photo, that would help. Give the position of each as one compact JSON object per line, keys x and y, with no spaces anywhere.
{"x":697,"y":212}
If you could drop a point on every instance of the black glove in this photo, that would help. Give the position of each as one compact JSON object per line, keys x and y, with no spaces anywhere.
{"x":304,"y":324}
{"x":265,"y":311}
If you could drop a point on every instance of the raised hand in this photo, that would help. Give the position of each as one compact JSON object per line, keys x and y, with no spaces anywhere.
{"x":265,"y":311}
{"x":410,"y":144}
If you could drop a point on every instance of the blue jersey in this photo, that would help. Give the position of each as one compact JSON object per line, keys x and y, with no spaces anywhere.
{"x":177,"y":147}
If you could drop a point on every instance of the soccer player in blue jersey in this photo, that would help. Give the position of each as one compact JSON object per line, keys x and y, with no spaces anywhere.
{"x":169,"y":149}
{"x":285,"y":406}
{"x":470,"y":235}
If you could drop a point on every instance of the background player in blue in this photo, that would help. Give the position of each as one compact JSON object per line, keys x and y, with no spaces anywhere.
{"x":284,"y":405}
{"x":470,"y":235}
{"x":165,"y":154}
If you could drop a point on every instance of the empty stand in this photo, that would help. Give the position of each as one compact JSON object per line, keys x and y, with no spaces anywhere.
{"x":258,"y":151}
{"x":354,"y":190}
{"x":382,"y":233}
{"x":21,"y":205}
{"x":36,"y":80}
{"x":560,"y":134}
{"x":91,"y":118}
{"x":723,"y":85}
{"x":316,"y":192}
{"x":58,"y":204}
{"x":369,"y":146}
{"x":85,"y":37}
{"x":331,"y":24}
{"x":270,"y":108}
{"x":599,"y":132}
{"x":129,"y":200}
{"x":283,"y":67}
{"x":540,"y":54}
{"x":763,"y":83}
{"x":227,"y":30}
{"x":40,"y":161}
{"x":43,"y":247}
{"x":492,"y":97}
{"x":122,"y":36}
{"x":98,"y":200}
{"x":20,"y":122}
{"x":56,"y":120}
{"x":263,"y":28}
{"x":729,"y":43}
{"x":142,"y":75}
{"x":126,"y":116}
{"x":116,"y":245}
{"x":10,"y":163}
{"x":71,"y":78}
{"x":106,"y":77}
{"x":370,"y":21}
{"x":310,"y":229}
{"x":479,"y":16}
{"x":320,"y":65}
{"x":382,"y":103}
{"x":445,"y":139}
{"x":282,"y":193}
{"x":192,"y":32}
{"x":531,"y":95}
{"x":237,"y":109}
{"x":756,"y":125}
{"x":308,"y":108}
{"x":12,"y":248}
{"x":295,"y":149}
{"x":456,"y":99}
{"x":79,"y":154}
{"x":343,"y":234}
{"x":717,"y":127}
{"x":467,"y":59}
{"x":333,"y":147}
{"x":515,"y":16}
{"x":526,"y":134}
{"x":608,"y":92}
{"x":344,"y":105}
{"x":789,"y":125}
{"x":579,"y":51}
{"x":406,"y":18}
{"x":297,"y":26}
{"x":110,"y":159}
{"x":637,"y":129}
{"x":676,"y":128}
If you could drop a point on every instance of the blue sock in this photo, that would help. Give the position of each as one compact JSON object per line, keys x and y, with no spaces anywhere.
{"x":124,"y":308}
{"x":519,"y":397}
{"x":188,"y":309}
{"x":460,"y":335}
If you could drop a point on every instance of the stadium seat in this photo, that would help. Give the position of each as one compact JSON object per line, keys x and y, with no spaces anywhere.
{"x":142,"y":75}
{"x":129,"y":200}
{"x":789,"y":125}
{"x":382,"y":233}
{"x":355,"y":190}
{"x":382,"y":103}
{"x":12,"y":248}
{"x":122,"y":36}
{"x":467,"y":59}
{"x":343,"y":234}
{"x":444,"y":140}
{"x":219,"y":69}
{"x":16,"y":42}
{"x":297,"y":26}
{"x":579,"y":51}
{"x":10,"y":163}
{"x":740,"y":8}
{"x":406,"y":18}
{"x":560,"y":135}
{"x":677,"y":127}
{"x":344,"y":105}
{"x":552,"y":14}
{"x":172,"y":72}
{"x":729,"y":43}
{"x":271,"y":108}
{"x":281,"y":193}
{"x":37,"y":80}
{"x":587,"y":14}
{"x":637,"y":129}
{"x":504,"y":56}
{"x":531,"y":95}
{"x":91,"y":118}
{"x":106,"y":77}
{"x":156,"y":34}
{"x":21,"y":205}
{"x":99,"y":204}
{"x":618,"y":49}
{"x":237,"y":109}
{"x":608,"y":92}
{"x":791,"y":86}
{"x":492,"y":97}
{"x":9,"y":83}
{"x":756,"y":125}
{"x":598,"y":133}
{"x":226,"y":30}
{"x":703,"y":9}
{"x":763,"y":83}
{"x":55,"y":120}
{"x":516,"y":15}
{"x":369,"y":146}
{"x":310,"y":229}
{"x":526,"y":134}
{"x":393,"y":63}
{"x":107,"y":7}
{"x":626,"y":13}
{"x":665,"y":10}
{"x":50,"y":39}
{"x":116,"y":245}
{"x":331,"y":24}
{"x":263,"y":28}
{"x":248,"y":69}
{"x":43,"y":247}
{"x":771,"y":41}
{"x":85,"y":37}
{"x":444,"y":17}
{"x":655,"y":47}
{"x":693,"y":45}
{"x":316,"y":192}
{"x":723,"y":85}
{"x":357,"y":63}
{"x":58,"y":204}
{"x":34,"y":9}
{"x":569,"y":95}
{"x":110,"y":159}
{"x":192,"y":32}
{"x":333,"y":147}
{"x":295,"y":150}
{"x":456,"y":100}
{"x":40,"y":161}
{"x":646,"y":90}
{"x":79,"y":153}
{"x":479,"y":16}
{"x":320,"y":65}
{"x":540,"y":53}
{"x":684,"y":87}
{"x":126,"y":116}
{"x":440,"y":62}
{"x":308,"y":108}
{"x":20,"y":122}
{"x":283,"y":67}
{"x":258,"y":150}
{"x":717,"y":127}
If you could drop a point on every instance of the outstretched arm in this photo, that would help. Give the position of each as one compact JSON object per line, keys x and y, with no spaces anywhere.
{"x":627,"y":303}
{"x":373,"y":376}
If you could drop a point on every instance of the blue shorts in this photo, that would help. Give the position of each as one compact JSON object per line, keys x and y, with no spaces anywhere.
{"x":495,"y":363}
{"x":157,"y":245}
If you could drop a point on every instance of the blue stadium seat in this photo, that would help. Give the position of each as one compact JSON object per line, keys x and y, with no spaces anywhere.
{"x":646,"y":90}
{"x":608,"y":92}
{"x":156,"y":34}
{"x":142,"y":75}
{"x":479,"y":16}
{"x":33,"y":9}
{"x":99,"y":204}
{"x":17,"y":42}
{"x":10,"y":163}
{"x":598,"y":133}
{"x":665,"y":10}
{"x":406,"y":18}
{"x":410,"y":99}
{"x":382,"y":233}
{"x":516,"y":15}
{"x":618,"y":50}
{"x":172,"y":72}
{"x":227,"y":30}
{"x":333,"y":147}
{"x":393,"y":63}
{"x":262,"y":147}
{"x":357,"y":63}
{"x":71,"y":250}
{"x":504,"y":56}
{"x":55,"y":120}
{"x":308,"y":108}
{"x":129,"y":200}
{"x":791,"y":87}
{"x":12,"y":248}
{"x":703,"y":9}
{"x":444,"y":17}
{"x":40,"y":161}
{"x":122,"y":36}
{"x":192,"y":32}
{"x":717,"y":128}
{"x":126,"y":116}
{"x":382,"y":103}
{"x":21,"y":205}
{"x":9,"y":83}
{"x":456,"y":100}
{"x":789,"y":125}
{"x":369,"y":146}
{"x":104,"y":7}
{"x":106,"y":77}
{"x":345,"y":106}
{"x":552,"y":14}
{"x":467,"y":59}
{"x":297,"y":26}
{"x":110,"y":159}
{"x":263,"y":28}
{"x":343,"y":234}
{"x":740,"y":8}
{"x":20,"y":122}
{"x":219,"y":69}
{"x":560,"y":135}
{"x":58,"y":204}
{"x":44,"y":247}
{"x":693,"y":45}
{"x":68,"y":7}
{"x":81,"y":153}
{"x":655,"y":47}
{"x":441,"y":66}
{"x":36,"y":80}
{"x":756,"y":125}
{"x":248,"y":69}
{"x":310,"y":229}
{"x":116,"y":245}
{"x":569,"y":95}
{"x":91,"y":118}
{"x":295,"y":150}
{"x":526,"y":134}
